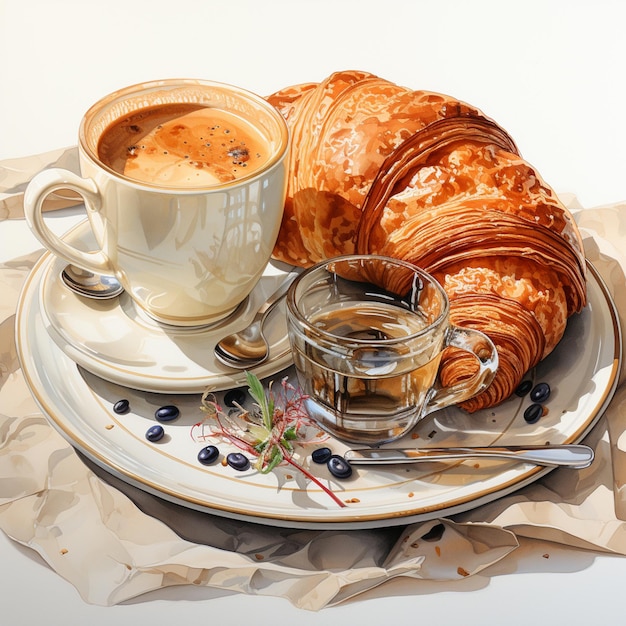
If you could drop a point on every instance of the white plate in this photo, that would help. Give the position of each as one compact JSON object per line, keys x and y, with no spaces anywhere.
{"x":582,"y":371}
{"x":118,"y":342}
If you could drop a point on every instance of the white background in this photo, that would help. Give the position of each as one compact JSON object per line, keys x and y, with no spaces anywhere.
{"x":551,"y":72}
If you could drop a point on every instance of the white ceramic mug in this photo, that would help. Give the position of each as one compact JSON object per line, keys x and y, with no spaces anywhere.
{"x":187,"y":255}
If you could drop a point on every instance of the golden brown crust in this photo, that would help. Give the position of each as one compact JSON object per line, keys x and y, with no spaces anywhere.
{"x":381,"y":169}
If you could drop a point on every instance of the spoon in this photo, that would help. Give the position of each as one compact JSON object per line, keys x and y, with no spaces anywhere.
{"x":90,"y":285}
{"x":567,"y":455}
{"x":248,"y":347}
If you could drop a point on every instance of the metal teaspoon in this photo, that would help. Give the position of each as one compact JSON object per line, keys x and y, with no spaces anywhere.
{"x":248,"y":347}
{"x":567,"y":455}
{"x":90,"y":285}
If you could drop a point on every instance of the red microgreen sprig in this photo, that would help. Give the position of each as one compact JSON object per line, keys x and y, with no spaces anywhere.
{"x":269,"y":433}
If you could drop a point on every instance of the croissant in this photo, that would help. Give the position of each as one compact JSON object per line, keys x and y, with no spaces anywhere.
{"x":377,"y":168}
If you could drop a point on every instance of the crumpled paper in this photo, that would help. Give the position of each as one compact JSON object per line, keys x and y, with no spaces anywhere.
{"x":15,"y":174}
{"x":114,"y":542}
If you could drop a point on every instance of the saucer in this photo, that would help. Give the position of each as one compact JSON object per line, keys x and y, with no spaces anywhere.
{"x":118,"y":342}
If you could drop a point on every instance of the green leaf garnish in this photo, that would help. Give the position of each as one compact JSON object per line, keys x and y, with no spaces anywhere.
{"x":290,"y":433}
{"x":268,"y":434}
{"x":256,"y":390}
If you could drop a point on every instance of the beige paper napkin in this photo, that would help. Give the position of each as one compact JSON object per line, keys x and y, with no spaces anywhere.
{"x":110,"y":541}
{"x":15,"y":174}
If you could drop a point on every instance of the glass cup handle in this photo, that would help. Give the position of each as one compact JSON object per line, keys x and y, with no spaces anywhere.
{"x":482,"y":348}
{"x":41,"y":186}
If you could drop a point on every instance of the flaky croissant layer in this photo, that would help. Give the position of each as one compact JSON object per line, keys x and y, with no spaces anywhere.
{"x":381,"y":169}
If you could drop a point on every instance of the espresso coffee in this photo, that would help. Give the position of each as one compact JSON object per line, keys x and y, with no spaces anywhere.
{"x":183,"y":145}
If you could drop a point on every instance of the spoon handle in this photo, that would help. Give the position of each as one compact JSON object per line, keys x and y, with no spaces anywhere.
{"x":278,"y":295}
{"x":567,"y":455}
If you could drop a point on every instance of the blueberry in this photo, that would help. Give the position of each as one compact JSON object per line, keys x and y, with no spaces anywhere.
{"x":167,"y":413}
{"x":238,"y":461}
{"x":523,"y":388}
{"x":208,"y":455}
{"x":321,"y":455}
{"x":540,"y":392}
{"x":339,"y":467}
{"x":533,"y":413}
{"x":155,"y":433}
{"x":121,"y":406}
{"x":234,"y":396}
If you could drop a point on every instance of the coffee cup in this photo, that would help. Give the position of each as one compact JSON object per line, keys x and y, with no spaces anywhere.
{"x":184,"y":184}
{"x":367,"y":335}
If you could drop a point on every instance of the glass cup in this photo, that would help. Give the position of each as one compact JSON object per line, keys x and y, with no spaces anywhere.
{"x":189,"y":237}
{"x":367,"y":334}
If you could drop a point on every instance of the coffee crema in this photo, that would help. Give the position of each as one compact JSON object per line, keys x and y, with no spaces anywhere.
{"x":183,"y":145}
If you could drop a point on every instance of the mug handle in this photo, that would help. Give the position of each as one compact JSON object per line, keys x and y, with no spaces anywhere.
{"x":483,"y":349}
{"x":41,"y":186}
